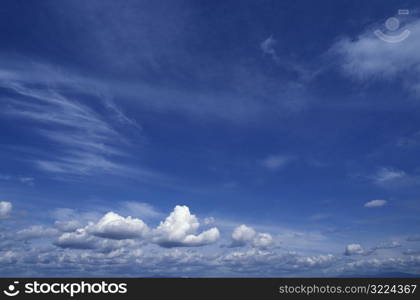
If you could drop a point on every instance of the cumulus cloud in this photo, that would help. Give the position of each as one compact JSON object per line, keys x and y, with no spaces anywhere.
{"x":79,"y":239}
{"x":354,"y":249}
{"x":179,"y":230}
{"x":375,"y":203}
{"x":262,"y":240}
{"x":5,"y":209}
{"x":244,"y":235}
{"x":114,"y":226}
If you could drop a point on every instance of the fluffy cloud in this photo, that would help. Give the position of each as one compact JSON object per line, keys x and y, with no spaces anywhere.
{"x":98,"y":249}
{"x":179,"y":230}
{"x":244,"y":235}
{"x":79,"y":239}
{"x":354,"y":249}
{"x":5,"y":209}
{"x":262,"y":240}
{"x":375,"y":203}
{"x":114,"y":226}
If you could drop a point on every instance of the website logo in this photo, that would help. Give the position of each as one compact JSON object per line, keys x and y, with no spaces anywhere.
{"x":11,"y":290}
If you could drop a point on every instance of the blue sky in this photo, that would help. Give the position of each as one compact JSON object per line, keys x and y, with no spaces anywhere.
{"x":189,"y":138}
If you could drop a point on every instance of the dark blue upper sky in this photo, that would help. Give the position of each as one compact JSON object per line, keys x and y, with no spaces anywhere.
{"x":291,"y":117}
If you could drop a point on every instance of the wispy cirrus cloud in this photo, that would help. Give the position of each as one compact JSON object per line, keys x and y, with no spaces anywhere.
{"x":22,"y":179}
{"x":83,"y":141}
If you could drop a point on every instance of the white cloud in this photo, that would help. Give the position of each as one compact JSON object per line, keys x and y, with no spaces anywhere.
{"x":114,"y":226}
{"x":88,"y":138}
{"x":375,"y":203}
{"x":387,"y":175}
{"x":5,"y":209}
{"x":262,"y":240}
{"x":79,"y":239}
{"x":353,"y":249}
{"x":83,"y":141}
{"x":275,"y":162}
{"x":179,"y":230}
{"x":244,"y":235}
